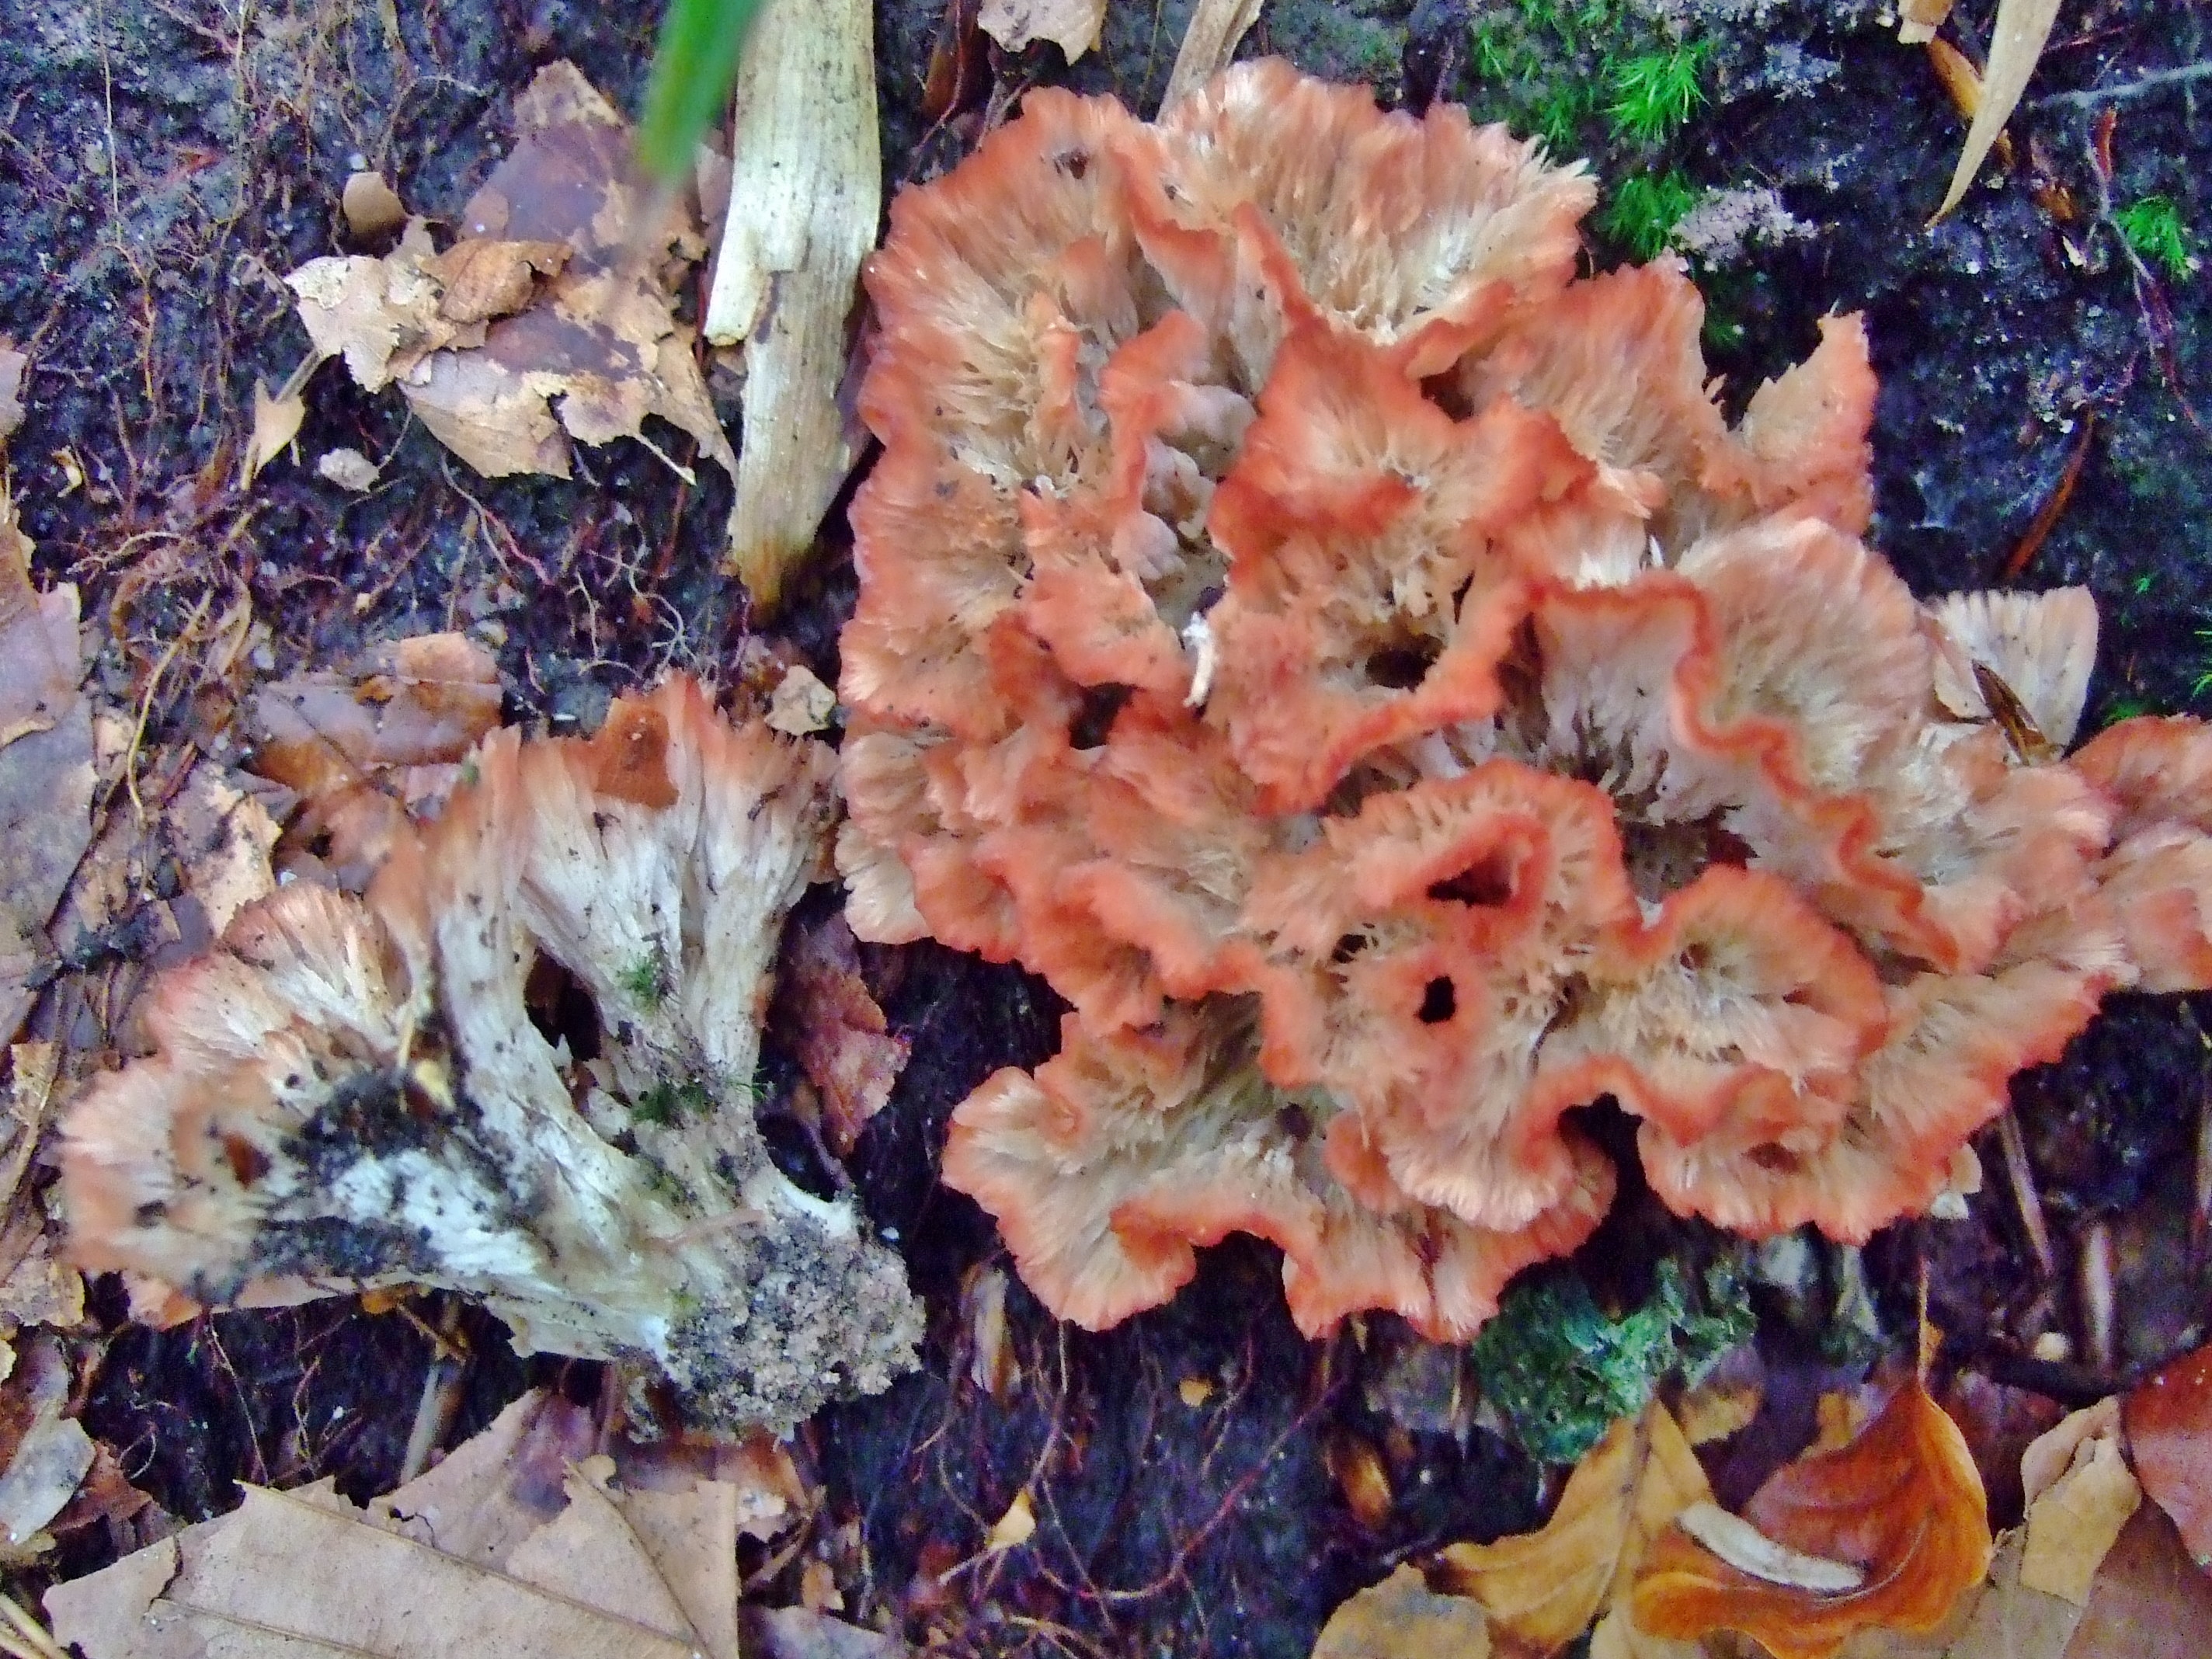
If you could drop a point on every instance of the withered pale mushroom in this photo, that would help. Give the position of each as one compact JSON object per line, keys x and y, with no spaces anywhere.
{"x":521,"y":1068}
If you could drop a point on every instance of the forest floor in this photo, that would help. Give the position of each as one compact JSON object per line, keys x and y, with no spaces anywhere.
{"x":164,"y":163}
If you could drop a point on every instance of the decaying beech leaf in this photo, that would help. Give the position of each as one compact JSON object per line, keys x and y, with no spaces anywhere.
{"x":2169,"y":1429}
{"x":551,"y":319}
{"x":1903,"y":1504}
{"x":45,"y":763}
{"x":1401,"y":1617}
{"x":2073,"y":1521}
{"x":844,"y":1044}
{"x":14,"y":364}
{"x":364,"y":748}
{"x":510,"y":1546}
{"x":1545,"y":1587}
{"x":806,"y":194}
{"x":1209,"y":43}
{"x":2022,"y":27}
{"x":1071,"y":24}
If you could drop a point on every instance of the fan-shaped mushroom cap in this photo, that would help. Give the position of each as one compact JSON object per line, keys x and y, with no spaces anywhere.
{"x":1362,"y":670}
{"x":358,"y":1092}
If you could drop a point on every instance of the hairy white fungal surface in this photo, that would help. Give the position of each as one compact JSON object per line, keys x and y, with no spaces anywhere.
{"x":520,"y":1067}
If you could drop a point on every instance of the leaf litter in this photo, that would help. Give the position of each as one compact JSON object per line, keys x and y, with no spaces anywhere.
{"x":521,"y":1542}
{"x":551,"y":319}
{"x":46,"y":775}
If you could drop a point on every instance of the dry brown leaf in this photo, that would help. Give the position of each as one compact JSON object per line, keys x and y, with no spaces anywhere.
{"x":14,"y":365}
{"x":2051,"y":1453}
{"x":1013,"y":1529}
{"x":2071,"y":1525}
{"x":276,"y":422}
{"x":1545,"y":1587}
{"x":2169,"y":1430}
{"x":2151,"y":1600}
{"x":1071,"y":24}
{"x":365,"y":748}
{"x":221,"y":836}
{"x":371,"y":206}
{"x":476,"y":1558}
{"x":2022,"y":27}
{"x":1401,"y":1619}
{"x":843,"y":1043}
{"x":483,"y":278}
{"x":46,"y":765}
{"x":806,"y":194}
{"x":1209,"y":44}
{"x":552,"y":318}
{"x":1726,"y":1400}
{"x":289,"y":1575}
{"x":804,"y":1633}
{"x":495,"y":1490}
{"x":1902,"y":1502}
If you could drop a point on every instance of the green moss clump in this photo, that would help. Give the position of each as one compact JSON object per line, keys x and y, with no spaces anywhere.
{"x":667,"y":1103}
{"x":2152,"y":227}
{"x":1598,"y":78}
{"x":1559,"y":1370}
{"x":645,"y":979}
{"x":1656,"y":93}
{"x":1644,"y":207}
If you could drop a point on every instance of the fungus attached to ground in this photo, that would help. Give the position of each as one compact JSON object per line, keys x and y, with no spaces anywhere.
{"x":1361,"y":668}
{"x":519,"y":1067}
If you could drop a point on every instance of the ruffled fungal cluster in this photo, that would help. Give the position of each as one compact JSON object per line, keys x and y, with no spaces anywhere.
{"x":520,"y":1067}
{"x":1358,"y":665}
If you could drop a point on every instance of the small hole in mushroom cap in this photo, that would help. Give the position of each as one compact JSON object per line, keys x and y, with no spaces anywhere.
{"x":1487,"y":881}
{"x":1402,"y":667}
{"x":1095,"y":718}
{"x":562,"y":1009}
{"x":1780,"y":1160}
{"x":1439,"y":1000}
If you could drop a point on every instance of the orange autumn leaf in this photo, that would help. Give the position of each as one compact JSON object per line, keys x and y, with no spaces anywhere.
{"x":1902,"y":1504}
{"x":1545,"y":1587}
{"x":2169,"y":1427}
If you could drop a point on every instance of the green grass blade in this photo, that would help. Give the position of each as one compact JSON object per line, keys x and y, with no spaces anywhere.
{"x":701,"y":41}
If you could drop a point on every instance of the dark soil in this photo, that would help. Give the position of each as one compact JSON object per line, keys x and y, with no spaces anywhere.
{"x":160,"y":170}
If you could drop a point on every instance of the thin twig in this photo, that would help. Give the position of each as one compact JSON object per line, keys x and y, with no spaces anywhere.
{"x":2093,"y":1284}
{"x":2156,"y":80}
{"x":2019,"y":1174}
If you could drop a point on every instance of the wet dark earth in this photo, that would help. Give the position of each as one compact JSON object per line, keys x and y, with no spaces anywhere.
{"x":164,"y":162}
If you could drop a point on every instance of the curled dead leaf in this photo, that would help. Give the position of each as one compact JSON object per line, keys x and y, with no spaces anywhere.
{"x":1545,"y":1587}
{"x":844,"y":1043}
{"x":1902,"y":1502}
{"x":1401,"y":1617}
{"x":276,"y":422}
{"x":2078,"y":1518}
{"x":365,"y":748}
{"x":1013,"y":1529}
